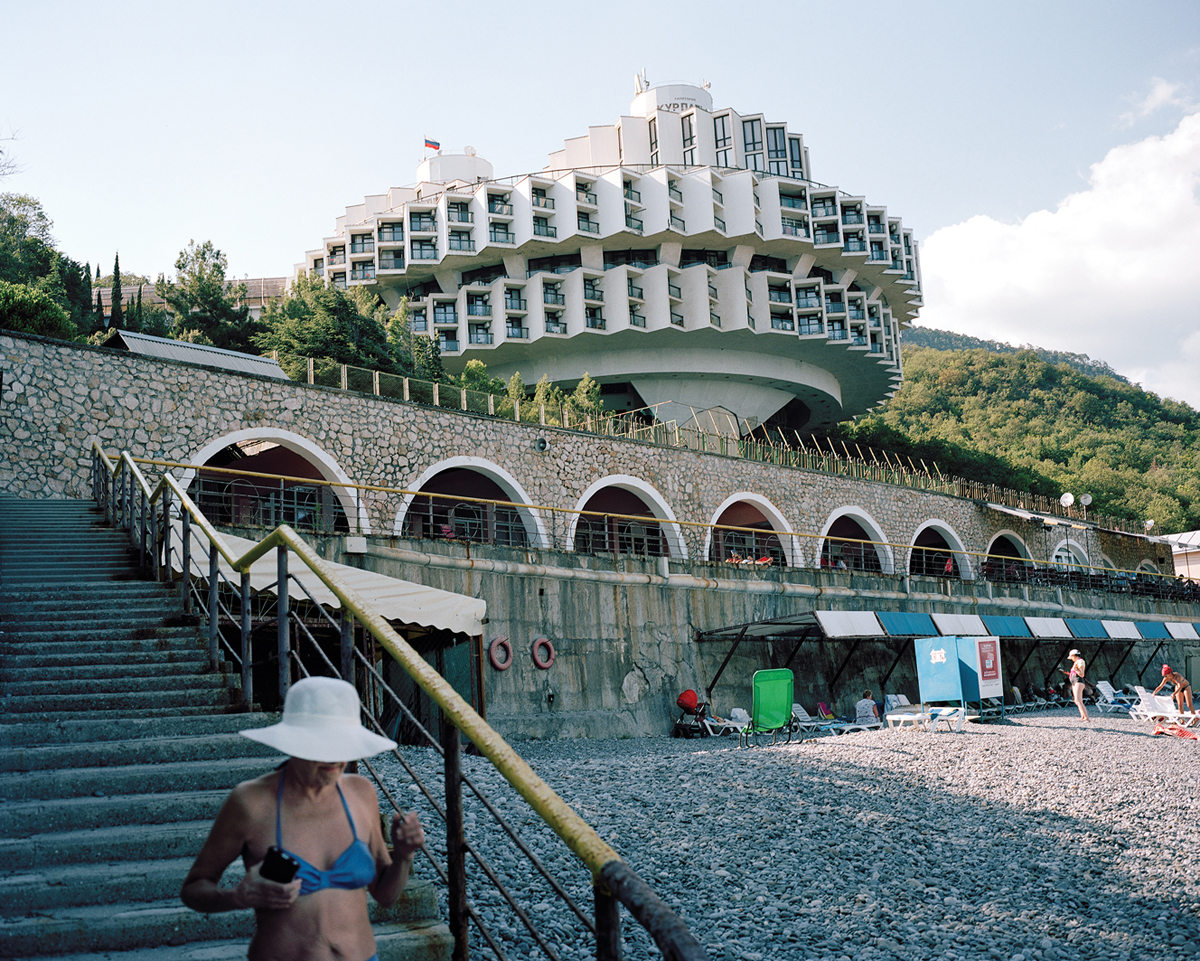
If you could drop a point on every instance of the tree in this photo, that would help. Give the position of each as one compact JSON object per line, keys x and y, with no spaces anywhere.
{"x":31,"y":311}
{"x":26,"y":247}
{"x":116,"y":313}
{"x":203,"y":305}
{"x":318,"y":320}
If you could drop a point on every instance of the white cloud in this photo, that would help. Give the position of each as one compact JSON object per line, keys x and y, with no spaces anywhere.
{"x":1162,"y":94}
{"x":1113,"y":272}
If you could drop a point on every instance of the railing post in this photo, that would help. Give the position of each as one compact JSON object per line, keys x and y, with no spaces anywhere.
{"x":282,"y":633}
{"x":155,"y":566}
{"x":456,"y":868}
{"x":213,"y":609}
{"x":166,"y":538}
{"x":143,"y":511}
{"x":347,"y":646}
{"x":608,"y":923}
{"x":187,"y":563}
{"x":247,"y":673}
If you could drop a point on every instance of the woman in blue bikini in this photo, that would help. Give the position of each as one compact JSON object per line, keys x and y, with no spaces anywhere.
{"x":325,"y":819}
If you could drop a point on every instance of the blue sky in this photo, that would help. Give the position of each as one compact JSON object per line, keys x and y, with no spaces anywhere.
{"x":1046,"y":154}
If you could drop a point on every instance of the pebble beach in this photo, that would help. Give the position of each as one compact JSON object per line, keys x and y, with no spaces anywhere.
{"x":1038,"y":837}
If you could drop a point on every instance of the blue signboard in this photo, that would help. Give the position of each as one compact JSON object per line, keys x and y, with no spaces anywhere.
{"x":938,"y":673}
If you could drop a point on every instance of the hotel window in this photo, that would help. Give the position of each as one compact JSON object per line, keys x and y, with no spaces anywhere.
{"x":688,"y":123}
{"x":654,"y":143}
{"x":796,"y":154}
{"x":752,"y":135}
{"x":777,"y":150}
{"x":725,"y":156}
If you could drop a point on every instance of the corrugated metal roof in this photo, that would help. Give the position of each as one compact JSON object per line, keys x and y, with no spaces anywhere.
{"x":203,"y":354}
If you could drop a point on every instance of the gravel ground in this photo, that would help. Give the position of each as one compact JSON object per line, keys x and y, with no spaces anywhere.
{"x":1039,"y":837}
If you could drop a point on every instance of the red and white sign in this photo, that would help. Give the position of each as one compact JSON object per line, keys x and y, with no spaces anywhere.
{"x":987,"y":651}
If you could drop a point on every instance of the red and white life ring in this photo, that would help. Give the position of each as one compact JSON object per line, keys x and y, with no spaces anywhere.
{"x":500,"y":644}
{"x":542,"y":663}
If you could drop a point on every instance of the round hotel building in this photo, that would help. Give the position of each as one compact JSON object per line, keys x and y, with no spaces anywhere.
{"x":684,"y":256}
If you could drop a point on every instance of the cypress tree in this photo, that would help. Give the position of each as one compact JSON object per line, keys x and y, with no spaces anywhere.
{"x":116,"y":293}
{"x":97,"y":271}
{"x":139,"y":308}
{"x":100,"y":325}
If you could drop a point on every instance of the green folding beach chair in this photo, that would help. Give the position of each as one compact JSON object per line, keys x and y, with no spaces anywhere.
{"x":771,"y":710}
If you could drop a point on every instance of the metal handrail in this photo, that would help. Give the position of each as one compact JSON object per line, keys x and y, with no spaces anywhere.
{"x":121,"y":485}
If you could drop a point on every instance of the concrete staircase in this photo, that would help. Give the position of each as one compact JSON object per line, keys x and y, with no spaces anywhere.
{"x":118,"y":743}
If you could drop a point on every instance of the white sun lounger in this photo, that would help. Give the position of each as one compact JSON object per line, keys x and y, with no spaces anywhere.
{"x":1111,"y":700}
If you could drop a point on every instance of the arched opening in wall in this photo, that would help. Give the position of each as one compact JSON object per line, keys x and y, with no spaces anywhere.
{"x":286,"y":497}
{"x":459,"y":504}
{"x":1007,"y":560}
{"x":619,"y":521}
{"x":842,"y":548}
{"x":1069,"y":557}
{"x":760,"y":544}
{"x":932,"y":555}
{"x":1148,"y":567}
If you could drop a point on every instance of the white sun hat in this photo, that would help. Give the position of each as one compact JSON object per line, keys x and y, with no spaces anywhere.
{"x":321,"y":723}
{"x":1073,"y":653}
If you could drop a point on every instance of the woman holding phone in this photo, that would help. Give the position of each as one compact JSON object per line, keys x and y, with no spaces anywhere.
{"x":311,"y":818}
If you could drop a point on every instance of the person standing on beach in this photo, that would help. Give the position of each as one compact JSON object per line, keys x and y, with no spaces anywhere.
{"x":1075,"y":677}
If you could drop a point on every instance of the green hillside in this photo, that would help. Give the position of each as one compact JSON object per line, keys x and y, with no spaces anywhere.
{"x":1011,"y":418}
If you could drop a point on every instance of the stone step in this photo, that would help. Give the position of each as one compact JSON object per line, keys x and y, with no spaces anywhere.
{"x":153,"y":879}
{"x":152,"y":638}
{"x":75,"y":624}
{"x":178,"y":698}
{"x":179,"y":839}
{"x":73,"y":730}
{"x":117,"y":714}
{"x":89,"y":687}
{"x":153,"y":750}
{"x":110,"y":667}
{"x":160,"y":603}
{"x":16,"y":595}
{"x":25,"y":818}
{"x":133,"y":779}
{"x":127,"y":926}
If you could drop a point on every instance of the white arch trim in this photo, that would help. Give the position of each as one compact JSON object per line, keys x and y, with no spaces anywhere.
{"x":650,"y":497}
{"x":1013,"y":536}
{"x":326,"y":465}
{"x":1077,"y":551}
{"x":1149,"y":566}
{"x":791,"y":547}
{"x":535,"y":525}
{"x":883,"y":551}
{"x":965,"y":569}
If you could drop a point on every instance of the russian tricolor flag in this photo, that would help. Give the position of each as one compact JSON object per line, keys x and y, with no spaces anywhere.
{"x":432,"y":144}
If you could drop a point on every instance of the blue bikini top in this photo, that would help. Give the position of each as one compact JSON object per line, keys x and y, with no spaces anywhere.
{"x":354,"y":868}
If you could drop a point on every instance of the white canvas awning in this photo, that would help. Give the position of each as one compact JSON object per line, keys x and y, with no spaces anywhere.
{"x":394,"y":599}
{"x":961,"y":625}
{"x":1122,"y":629}
{"x":849,"y":624}
{"x":1048,"y":627}
{"x":1181,"y":631}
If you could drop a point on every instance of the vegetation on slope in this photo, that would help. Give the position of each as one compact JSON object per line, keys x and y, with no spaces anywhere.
{"x":1014,"y":419}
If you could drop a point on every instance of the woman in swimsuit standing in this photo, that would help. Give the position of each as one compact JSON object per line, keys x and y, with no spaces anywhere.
{"x":325,"y":819}
{"x":1075,"y":676}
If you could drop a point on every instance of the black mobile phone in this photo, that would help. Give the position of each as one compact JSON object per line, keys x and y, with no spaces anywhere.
{"x":278,"y":867}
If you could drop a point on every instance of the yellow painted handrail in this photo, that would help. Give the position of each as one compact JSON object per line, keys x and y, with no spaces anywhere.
{"x":576,"y":833}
